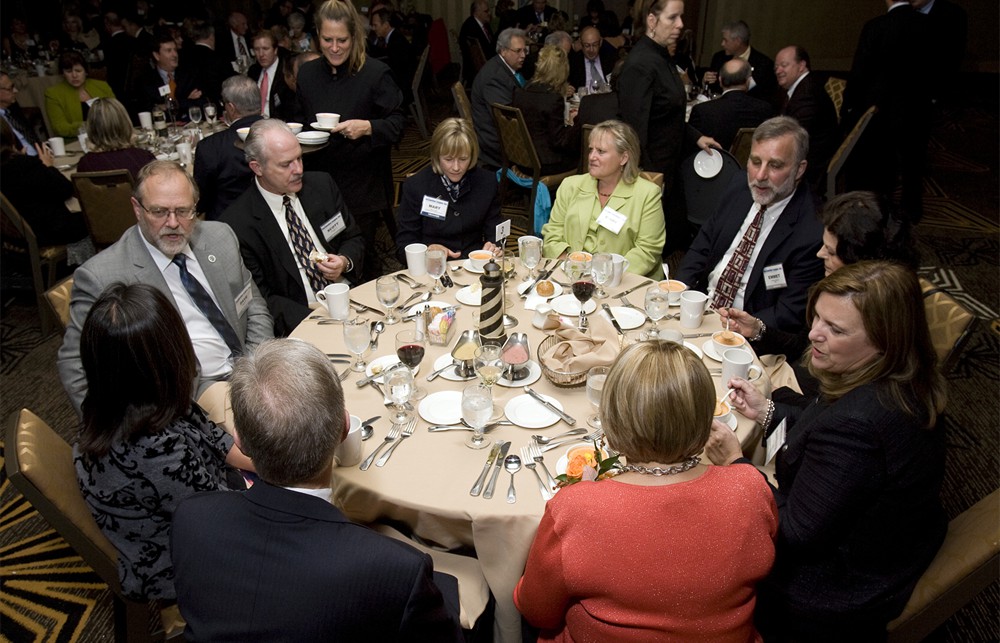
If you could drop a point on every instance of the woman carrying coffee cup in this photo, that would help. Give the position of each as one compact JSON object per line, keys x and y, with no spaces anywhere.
{"x":860,"y":469}
{"x":452,"y":204}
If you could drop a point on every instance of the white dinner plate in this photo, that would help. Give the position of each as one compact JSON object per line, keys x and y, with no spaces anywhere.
{"x":563,"y":462}
{"x":568,"y":305}
{"x":628,"y":318}
{"x":443,"y":407}
{"x":417,"y":308}
{"x":451,"y":374}
{"x":384,"y":363}
{"x":694,"y":349}
{"x":321,"y":128}
{"x":534,"y":372}
{"x":527,"y":413}
{"x":707,"y":166}
{"x":467,"y":264}
{"x":713,"y":354}
{"x":469,"y":297}
{"x":556,"y":290}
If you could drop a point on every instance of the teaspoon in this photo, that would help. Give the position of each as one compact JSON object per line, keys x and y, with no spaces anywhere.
{"x":512,"y":464}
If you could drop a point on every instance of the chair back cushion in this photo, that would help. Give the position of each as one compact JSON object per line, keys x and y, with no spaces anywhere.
{"x":702,"y":194}
{"x":742,"y":143}
{"x":947,"y":320}
{"x":105,"y":200}
{"x":515,"y":141}
{"x":58,"y":297}
{"x":835,"y":90}
{"x":462,"y":101}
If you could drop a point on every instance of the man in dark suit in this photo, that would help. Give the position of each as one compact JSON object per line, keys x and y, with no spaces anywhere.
{"x":736,"y":44}
{"x":892,"y":74}
{"x":531,"y":16}
{"x":495,"y":83}
{"x":594,"y":61}
{"x":723,"y":117}
{"x":951,"y":30}
{"x":276,"y":98}
{"x":476,"y":28}
{"x":279,"y":561}
{"x":220,"y":168}
{"x":392,"y":48}
{"x":283,"y":217}
{"x":201,"y":60}
{"x":118,"y":52}
{"x":231,"y":41}
{"x":164,"y":205}
{"x":166,"y":78}
{"x":767,"y":274}
{"x":810,"y":105}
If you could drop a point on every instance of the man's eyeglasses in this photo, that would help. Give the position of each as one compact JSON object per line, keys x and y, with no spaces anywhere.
{"x":518,"y":52}
{"x":162,"y":213}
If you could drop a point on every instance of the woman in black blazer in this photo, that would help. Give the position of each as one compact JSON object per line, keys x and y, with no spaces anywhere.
{"x":450,"y":205}
{"x":543,"y":105}
{"x":861,"y":468}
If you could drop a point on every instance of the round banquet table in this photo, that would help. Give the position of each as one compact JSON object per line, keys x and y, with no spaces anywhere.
{"x":425,"y":484}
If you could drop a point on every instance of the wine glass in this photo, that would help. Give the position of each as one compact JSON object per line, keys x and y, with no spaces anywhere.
{"x":530,"y":250}
{"x":595,"y":386}
{"x":399,"y":388}
{"x":194,"y":113}
{"x":387,"y":291}
{"x":357,"y":337}
{"x":601,"y":267}
{"x":477,"y":409}
{"x":657,"y":306}
{"x":210,"y":113}
{"x":436,"y":265}
{"x":410,"y":351}
{"x":488,"y":364}
{"x":583,"y":287}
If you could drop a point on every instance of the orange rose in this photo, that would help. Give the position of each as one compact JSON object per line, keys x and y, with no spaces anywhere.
{"x":578,"y":459}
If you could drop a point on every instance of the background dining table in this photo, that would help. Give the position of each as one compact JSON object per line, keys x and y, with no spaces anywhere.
{"x":425,"y":485}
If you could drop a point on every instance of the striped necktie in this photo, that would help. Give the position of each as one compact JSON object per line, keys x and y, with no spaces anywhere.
{"x":302,"y":245}
{"x":732,"y":275}
{"x":207,"y":306}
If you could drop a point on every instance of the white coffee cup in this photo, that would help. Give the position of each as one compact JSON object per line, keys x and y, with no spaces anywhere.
{"x":727,"y":411}
{"x":184,"y":153}
{"x":619,"y":266}
{"x":674,"y":289}
{"x":736,"y":341}
{"x":82,"y":139}
{"x":146,"y":120}
{"x":337,"y":298}
{"x":348,"y":453}
{"x":416,"y":259}
{"x":541,"y":315}
{"x":57,"y":145}
{"x":327,"y":120}
{"x":692,"y":308}
{"x":479,"y":258}
{"x":737,"y":362}
{"x":671,"y":335}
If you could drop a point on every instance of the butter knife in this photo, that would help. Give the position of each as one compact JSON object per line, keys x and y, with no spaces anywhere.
{"x":365,"y":307}
{"x":490,"y":459}
{"x":614,"y":322}
{"x":491,"y":485}
{"x":541,"y":276}
{"x":541,"y":400}
{"x":634,"y":288}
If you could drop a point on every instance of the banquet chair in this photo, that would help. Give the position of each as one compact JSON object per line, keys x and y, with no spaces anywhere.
{"x":58,"y":297}
{"x":702,"y":194}
{"x":476,"y":53}
{"x":462,"y":103}
{"x":967,"y":563}
{"x":950,"y":323}
{"x":840,"y":157}
{"x":517,"y":152}
{"x":418,"y":108}
{"x":741,"y":144}
{"x":19,"y":238}
{"x":39,"y":464}
{"x":585,"y":131}
{"x":106,"y":203}
{"x":835,"y":90}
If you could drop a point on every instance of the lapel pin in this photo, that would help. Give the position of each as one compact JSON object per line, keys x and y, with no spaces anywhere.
{"x":211,"y":258}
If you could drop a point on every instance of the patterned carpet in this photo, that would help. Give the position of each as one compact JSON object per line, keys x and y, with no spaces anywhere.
{"x":48,"y":594}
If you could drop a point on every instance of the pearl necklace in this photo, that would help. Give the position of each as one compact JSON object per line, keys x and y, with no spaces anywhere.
{"x":673,"y":469}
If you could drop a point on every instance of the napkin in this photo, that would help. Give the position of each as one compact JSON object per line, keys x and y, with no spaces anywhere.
{"x":533,"y":299}
{"x":578,"y":351}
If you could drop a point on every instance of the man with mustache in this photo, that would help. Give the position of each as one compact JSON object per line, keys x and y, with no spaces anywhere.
{"x":296,"y":233}
{"x":758,"y":251}
{"x":196,"y":264}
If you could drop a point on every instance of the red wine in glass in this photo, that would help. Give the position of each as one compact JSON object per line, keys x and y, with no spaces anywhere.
{"x":410,"y":354}
{"x":583,"y":291}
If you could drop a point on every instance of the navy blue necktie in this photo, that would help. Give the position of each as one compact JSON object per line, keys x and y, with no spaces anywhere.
{"x":204,"y":302}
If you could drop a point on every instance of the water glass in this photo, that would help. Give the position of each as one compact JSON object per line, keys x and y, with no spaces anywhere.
{"x":530,"y":250}
{"x":657,"y":307}
{"x":357,"y":337}
{"x":387,"y":291}
{"x":210,"y":113}
{"x":437,"y":263}
{"x":194,"y":113}
{"x":602,"y":269}
{"x":399,"y":389}
{"x":595,"y":386}
{"x":410,"y":347}
{"x":477,"y":409}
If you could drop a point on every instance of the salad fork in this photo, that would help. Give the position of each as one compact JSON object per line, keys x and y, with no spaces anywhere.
{"x":531,"y":464}
{"x":392,"y":435}
{"x":626,"y":302}
{"x":590,"y":437}
{"x":536,"y":456}
{"x":407,"y":432}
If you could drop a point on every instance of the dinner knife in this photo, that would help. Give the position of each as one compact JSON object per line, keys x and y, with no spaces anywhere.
{"x":614,"y":322}
{"x":491,"y":485}
{"x":490,"y":459}
{"x":634,"y":288}
{"x":365,"y":307}
{"x":542,"y":275}
{"x":550,"y":406}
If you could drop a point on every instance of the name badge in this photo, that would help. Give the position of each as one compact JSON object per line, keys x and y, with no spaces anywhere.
{"x":243,"y":299}
{"x":434,"y":208}
{"x":334,"y":226}
{"x":774,"y":277}
{"x":775,"y":441}
{"x":611,"y":220}
{"x":164,"y":90}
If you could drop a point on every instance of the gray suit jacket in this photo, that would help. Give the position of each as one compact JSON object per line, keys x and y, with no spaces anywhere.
{"x":128,"y":261}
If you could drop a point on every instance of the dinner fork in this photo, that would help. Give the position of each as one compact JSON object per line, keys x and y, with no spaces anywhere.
{"x":541,"y":439}
{"x":536,"y":456}
{"x":392,"y":435}
{"x":590,"y":437}
{"x":626,"y":302}
{"x":407,"y":432}
{"x":530,"y":463}
{"x":343,"y":375}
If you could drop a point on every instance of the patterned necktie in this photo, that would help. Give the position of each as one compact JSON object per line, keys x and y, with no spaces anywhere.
{"x":243,"y":46}
{"x":17,"y":122}
{"x":204,"y":302}
{"x":302,"y":245}
{"x":489,"y":36}
{"x":263,"y":92}
{"x":595,"y":76}
{"x":732,"y":275}
{"x":172,"y":84}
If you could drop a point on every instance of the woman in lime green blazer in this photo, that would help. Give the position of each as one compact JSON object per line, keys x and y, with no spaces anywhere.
{"x":66,"y":102}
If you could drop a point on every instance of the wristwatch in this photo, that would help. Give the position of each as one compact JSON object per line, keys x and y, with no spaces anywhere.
{"x":348,"y":262}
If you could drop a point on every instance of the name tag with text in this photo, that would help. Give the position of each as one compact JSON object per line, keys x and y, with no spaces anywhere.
{"x":243,"y":299}
{"x":774,"y":277}
{"x":611,"y":220}
{"x":334,"y":226}
{"x":434,"y":208}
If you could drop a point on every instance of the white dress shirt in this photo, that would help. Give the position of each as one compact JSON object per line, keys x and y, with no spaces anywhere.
{"x":276,"y":203}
